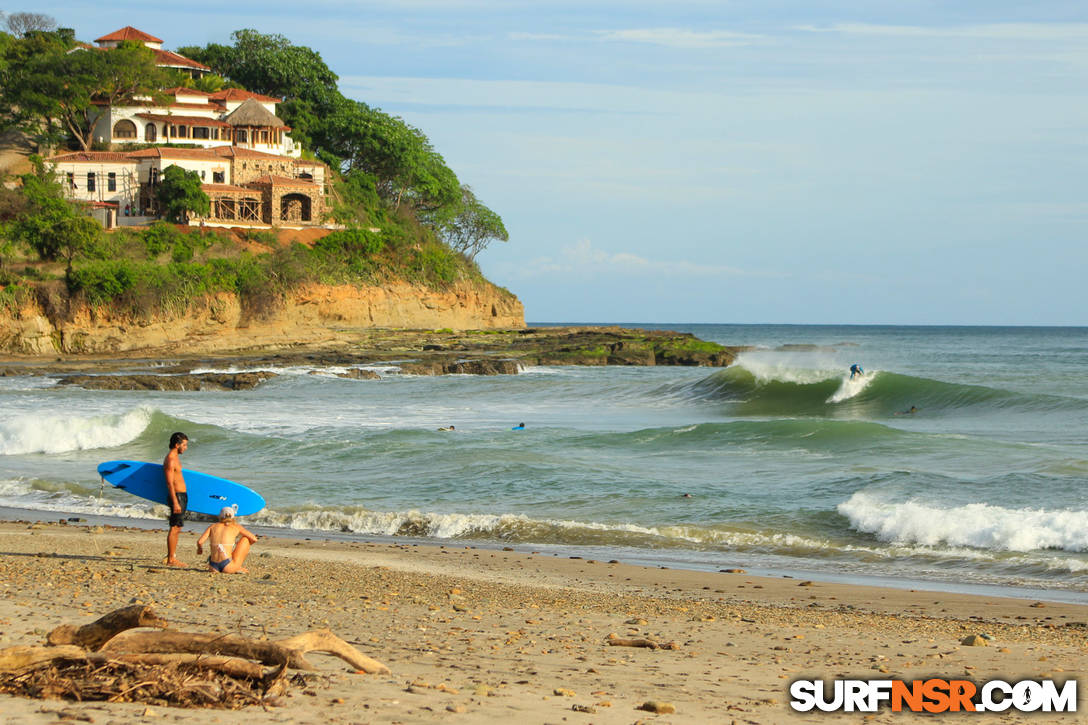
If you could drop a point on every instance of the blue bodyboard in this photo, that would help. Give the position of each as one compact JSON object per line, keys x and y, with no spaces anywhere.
{"x":207,"y":494}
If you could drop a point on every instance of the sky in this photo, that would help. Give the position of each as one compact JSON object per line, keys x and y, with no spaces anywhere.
{"x":718,"y":161}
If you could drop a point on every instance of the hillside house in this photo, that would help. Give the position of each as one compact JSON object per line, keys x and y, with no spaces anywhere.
{"x":250,"y":168}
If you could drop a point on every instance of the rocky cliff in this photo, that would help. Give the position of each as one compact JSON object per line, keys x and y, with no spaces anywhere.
{"x":311,"y":314}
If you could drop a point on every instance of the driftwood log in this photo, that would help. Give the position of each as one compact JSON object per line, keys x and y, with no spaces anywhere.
{"x":614,"y":641}
{"x":230,"y":645}
{"x":323,"y":640}
{"x":107,"y":644}
{"x":22,"y":658}
{"x":97,"y":633}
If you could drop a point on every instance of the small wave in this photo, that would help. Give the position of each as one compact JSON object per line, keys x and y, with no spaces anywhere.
{"x":976,"y":525}
{"x":72,"y":498}
{"x":62,"y":433}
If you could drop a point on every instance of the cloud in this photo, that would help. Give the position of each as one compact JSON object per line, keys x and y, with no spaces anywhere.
{"x":680,"y":37}
{"x":669,"y":37}
{"x":993,"y":31}
{"x":583,"y":260}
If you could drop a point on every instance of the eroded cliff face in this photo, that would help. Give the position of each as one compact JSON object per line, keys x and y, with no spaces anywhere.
{"x":311,"y":314}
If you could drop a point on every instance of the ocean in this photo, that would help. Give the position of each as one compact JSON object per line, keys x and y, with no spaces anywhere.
{"x":779,"y":464}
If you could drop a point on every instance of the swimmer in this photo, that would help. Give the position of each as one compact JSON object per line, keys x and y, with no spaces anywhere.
{"x":912,"y":411}
{"x":447,"y":428}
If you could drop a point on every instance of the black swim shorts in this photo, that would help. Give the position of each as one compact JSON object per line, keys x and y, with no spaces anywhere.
{"x":179,"y":518}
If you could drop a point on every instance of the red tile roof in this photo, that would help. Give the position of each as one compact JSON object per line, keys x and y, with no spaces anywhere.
{"x":159,"y":152}
{"x":129,"y":33}
{"x":184,"y":120}
{"x":224,"y":187}
{"x":237,"y":94}
{"x":185,"y":92}
{"x":244,"y":153}
{"x":91,"y":157}
{"x":165,"y":57}
{"x":282,"y":181}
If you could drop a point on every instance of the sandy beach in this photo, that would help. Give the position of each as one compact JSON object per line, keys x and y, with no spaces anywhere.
{"x":480,"y":636}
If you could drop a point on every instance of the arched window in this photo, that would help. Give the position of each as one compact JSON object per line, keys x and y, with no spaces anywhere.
{"x":124,"y":129}
{"x":151,"y":133}
{"x":295,"y":208}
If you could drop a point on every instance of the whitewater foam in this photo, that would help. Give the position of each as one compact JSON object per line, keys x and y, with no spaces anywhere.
{"x":62,"y":433}
{"x":791,"y":367}
{"x":851,"y":386}
{"x":975,"y":525}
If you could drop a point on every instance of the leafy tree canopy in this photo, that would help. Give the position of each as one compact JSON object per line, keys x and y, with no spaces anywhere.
{"x":51,"y":225}
{"x":50,"y":93}
{"x":180,"y":195}
{"x":473,"y":227}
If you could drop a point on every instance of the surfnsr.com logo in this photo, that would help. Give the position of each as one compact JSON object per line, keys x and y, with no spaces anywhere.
{"x":933,"y":695}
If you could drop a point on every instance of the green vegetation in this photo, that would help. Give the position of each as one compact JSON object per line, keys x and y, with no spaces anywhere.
{"x":388,"y":166}
{"x":181,"y":196}
{"x":55,"y":91}
{"x":406,"y":214}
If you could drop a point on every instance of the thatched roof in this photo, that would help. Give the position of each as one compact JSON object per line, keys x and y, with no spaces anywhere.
{"x":252,"y":113}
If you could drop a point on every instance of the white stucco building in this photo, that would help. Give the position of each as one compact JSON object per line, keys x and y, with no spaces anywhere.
{"x":249,"y":167}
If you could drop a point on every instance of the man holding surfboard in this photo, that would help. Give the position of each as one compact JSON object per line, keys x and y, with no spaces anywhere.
{"x":178,"y":498}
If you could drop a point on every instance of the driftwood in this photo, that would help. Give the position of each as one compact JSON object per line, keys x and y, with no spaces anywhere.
{"x":323,"y":640}
{"x":103,"y":660}
{"x":94,"y":635}
{"x":268,"y":653}
{"x":233,"y":666}
{"x":21,"y":658}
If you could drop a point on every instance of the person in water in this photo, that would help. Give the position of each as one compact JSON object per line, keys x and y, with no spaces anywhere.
{"x":177,"y":498}
{"x":222,"y":535}
{"x":855,"y":370}
{"x":447,"y":428}
{"x":519,"y":426}
{"x":912,"y":411}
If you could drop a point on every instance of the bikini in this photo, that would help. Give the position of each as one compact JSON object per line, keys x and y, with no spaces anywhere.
{"x":219,"y":566}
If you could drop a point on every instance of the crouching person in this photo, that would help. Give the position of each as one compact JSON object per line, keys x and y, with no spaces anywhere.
{"x":224,"y":557}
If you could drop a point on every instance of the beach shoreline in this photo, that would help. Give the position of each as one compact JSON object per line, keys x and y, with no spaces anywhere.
{"x":640,"y":558}
{"x":483,"y":635}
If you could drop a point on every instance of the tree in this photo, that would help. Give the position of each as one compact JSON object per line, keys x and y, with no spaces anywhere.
{"x":52,"y":226}
{"x":180,"y":195}
{"x":398,"y":156}
{"x":52,"y":93}
{"x":21,"y":23}
{"x":474,"y":226}
{"x":272,"y":65}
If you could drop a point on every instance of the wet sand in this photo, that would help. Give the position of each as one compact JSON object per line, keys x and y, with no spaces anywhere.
{"x":485,"y":636}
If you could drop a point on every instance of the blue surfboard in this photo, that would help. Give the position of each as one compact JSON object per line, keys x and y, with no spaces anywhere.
{"x":207,"y":494}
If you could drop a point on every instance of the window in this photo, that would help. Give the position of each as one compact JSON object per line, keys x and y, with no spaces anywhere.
{"x":202,"y":174}
{"x":111,"y":181}
{"x":240,"y":135}
{"x":124,"y":129}
{"x":71,"y":180}
{"x":201,"y":132}
{"x":90,"y":181}
{"x":219,"y":177}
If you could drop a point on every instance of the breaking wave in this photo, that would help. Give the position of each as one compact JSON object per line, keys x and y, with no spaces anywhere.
{"x":976,"y":525}
{"x":25,"y":434}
